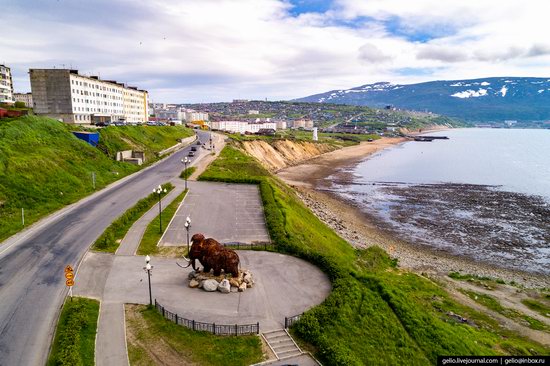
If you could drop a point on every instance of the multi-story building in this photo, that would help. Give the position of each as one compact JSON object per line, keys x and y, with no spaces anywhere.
{"x":241,"y":126}
{"x":73,"y":98}
{"x":281,"y":125}
{"x":191,"y":115}
{"x":6,"y":85}
{"x":24,"y":97}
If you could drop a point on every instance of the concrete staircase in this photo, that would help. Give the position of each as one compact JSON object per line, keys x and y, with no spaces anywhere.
{"x":282,"y":344}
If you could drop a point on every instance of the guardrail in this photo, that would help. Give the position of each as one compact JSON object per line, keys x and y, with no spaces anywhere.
{"x":291,"y":320}
{"x":218,"y":329}
{"x":249,"y":246}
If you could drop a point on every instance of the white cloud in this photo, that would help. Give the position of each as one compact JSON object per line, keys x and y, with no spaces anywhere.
{"x":205,"y":50}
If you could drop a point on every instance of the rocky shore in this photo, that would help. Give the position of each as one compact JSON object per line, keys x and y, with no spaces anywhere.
{"x":361,"y":231}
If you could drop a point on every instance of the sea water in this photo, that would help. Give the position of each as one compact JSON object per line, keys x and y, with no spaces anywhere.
{"x":483,"y":193}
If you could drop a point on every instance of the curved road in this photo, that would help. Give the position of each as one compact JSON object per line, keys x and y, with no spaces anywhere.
{"x":32,"y":283}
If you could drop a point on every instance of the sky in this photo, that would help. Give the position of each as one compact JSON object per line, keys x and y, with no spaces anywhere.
{"x":187,"y":51}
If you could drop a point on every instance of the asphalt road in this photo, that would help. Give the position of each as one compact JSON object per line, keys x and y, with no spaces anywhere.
{"x":32,"y":283}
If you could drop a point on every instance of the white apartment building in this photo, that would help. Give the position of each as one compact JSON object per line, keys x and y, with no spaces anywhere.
{"x":6,"y":85}
{"x":73,"y":98}
{"x":281,"y":125}
{"x":241,"y":126}
{"x":24,"y":97}
{"x":191,"y":115}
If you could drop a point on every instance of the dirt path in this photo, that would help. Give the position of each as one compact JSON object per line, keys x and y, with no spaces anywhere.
{"x":536,"y":335}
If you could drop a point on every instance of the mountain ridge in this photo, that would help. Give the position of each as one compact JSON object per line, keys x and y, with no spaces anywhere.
{"x":493,"y":99}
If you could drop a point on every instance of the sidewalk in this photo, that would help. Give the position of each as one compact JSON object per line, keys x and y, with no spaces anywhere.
{"x":131,"y":240}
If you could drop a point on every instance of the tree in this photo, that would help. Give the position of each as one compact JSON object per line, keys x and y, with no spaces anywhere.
{"x":20,"y":105}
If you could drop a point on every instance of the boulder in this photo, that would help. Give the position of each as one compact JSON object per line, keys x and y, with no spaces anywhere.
{"x":234,"y":283}
{"x":247,"y":278}
{"x":192,"y":275}
{"x":224,"y":287}
{"x":210,"y":285}
{"x":249,"y":285}
{"x":242,"y":287}
{"x":194,"y":283}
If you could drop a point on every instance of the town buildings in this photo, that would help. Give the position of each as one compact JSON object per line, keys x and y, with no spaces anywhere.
{"x":66,"y":95}
{"x":25,"y":98}
{"x":6,"y":85}
{"x":242,"y":126}
{"x":301,"y":123}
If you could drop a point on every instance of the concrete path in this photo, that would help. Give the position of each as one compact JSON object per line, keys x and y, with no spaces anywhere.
{"x":130,"y":243}
{"x":284,"y":286}
{"x":226,"y":212}
{"x":110,"y":346}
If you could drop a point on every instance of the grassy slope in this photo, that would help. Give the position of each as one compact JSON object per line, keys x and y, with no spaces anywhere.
{"x":43,"y":167}
{"x":74,"y":342}
{"x":198,"y":347}
{"x":110,"y":240}
{"x":149,"y":139}
{"x":375,"y":313}
{"x":151,"y":237}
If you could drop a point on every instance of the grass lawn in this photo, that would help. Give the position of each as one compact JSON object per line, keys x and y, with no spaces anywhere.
{"x":376,"y":313}
{"x":151,"y":337}
{"x":186,"y":173}
{"x":110,"y":240}
{"x":152,"y":235}
{"x":74,"y":342}
{"x":537,"y":306}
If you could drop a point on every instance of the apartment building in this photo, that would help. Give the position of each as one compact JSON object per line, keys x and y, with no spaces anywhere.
{"x":191,"y":115}
{"x":6,"y":85}
{"x":24,"y":97}
{"x":73,"y":98}
{"x":241,"y":126}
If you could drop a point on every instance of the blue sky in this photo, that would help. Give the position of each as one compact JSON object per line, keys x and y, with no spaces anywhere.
{"x":217,"y":50}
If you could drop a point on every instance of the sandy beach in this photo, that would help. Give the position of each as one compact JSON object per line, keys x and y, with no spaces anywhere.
{"x":360,"y":231}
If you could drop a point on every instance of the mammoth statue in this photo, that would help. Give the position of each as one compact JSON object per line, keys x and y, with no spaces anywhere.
{"x":213,"y":255}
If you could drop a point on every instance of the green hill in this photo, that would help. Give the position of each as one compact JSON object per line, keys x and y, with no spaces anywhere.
{"x":44,"y":167}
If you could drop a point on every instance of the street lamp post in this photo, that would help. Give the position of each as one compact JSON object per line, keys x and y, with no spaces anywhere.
{"x":185,"y":161}
{"x":187,"y":227}
{"x":159,"y":190}
{"x":148,"y":268}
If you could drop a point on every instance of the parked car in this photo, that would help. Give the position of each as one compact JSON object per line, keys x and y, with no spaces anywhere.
{"x":119,"y":123}
{"x":193,"y":148}
{"x":103,"y":124}
{"x":191,"y":153}
{"x":151,"y":123}
{"x":198,"y":143}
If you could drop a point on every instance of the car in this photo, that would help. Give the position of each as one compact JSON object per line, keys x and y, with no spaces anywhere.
{"x":151,"y":123}
{"x":119,"y":124}
{"x":199,"y":143}
{"x":193,"y":148}
{"x":191,"y":153}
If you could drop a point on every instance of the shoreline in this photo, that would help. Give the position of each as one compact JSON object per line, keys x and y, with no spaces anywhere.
{"x":360,"y":231}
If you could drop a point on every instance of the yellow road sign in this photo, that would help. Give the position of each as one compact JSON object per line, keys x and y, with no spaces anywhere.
{"x":68,"y":269}
{"x":69,"y":275}
{"x":69,"y":283}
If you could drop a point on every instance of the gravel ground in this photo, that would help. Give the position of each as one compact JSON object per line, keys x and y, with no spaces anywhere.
{"x":353,"y":226}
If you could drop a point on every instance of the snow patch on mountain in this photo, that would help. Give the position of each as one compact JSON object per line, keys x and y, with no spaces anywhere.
{"x":470,"y":93}
{"x":485,"y":83}
{"x":503,"y":91}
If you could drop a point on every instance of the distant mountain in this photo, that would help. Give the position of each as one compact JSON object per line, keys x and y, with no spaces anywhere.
{"x":484,"y":100}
